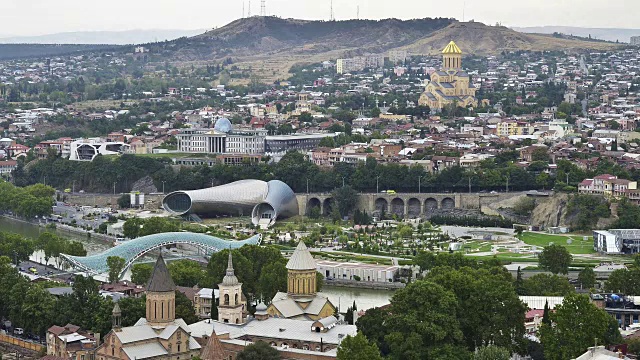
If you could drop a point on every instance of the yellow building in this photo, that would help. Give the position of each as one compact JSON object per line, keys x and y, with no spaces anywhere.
{"x":301,"y":301}
{"x":512,"y":127}
{"x":450,"y":84}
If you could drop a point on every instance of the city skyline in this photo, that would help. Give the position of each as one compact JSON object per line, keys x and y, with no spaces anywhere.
{"x":145,"y":14}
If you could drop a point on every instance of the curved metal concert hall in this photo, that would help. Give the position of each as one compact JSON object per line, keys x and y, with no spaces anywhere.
{"x":265,"y":202}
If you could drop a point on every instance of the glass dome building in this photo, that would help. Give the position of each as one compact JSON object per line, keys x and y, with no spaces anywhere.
{"x":264,"y":201}
{"x":223,"y":125}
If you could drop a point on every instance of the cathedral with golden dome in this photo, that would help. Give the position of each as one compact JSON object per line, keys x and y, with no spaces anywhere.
{"x":450,"y":84}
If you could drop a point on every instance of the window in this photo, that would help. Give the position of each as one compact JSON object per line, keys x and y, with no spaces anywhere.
{"x":178,"y":347}
{"x":226,"y":299}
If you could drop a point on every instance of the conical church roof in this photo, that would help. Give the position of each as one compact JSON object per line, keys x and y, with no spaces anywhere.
{"x":214,"y":349}
{"x":160,"y":280}
{"x":301,"y":259}
{"x":452,"y":48}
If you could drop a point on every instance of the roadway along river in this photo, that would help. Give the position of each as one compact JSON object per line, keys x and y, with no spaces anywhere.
{"x":340,"y":296}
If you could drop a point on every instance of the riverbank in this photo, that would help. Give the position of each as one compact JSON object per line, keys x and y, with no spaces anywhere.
{"x":65,"y":228}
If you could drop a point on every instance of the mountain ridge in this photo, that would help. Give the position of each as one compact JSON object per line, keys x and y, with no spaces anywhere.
{"x":123,"y":37}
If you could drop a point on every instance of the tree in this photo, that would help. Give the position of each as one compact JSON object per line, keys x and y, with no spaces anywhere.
{"x":116,"y":265}
{"x":346,"y":199}
{"x":140,"y":273}
{"x":489,"y":309}
{"x":259,"y":350}
{"x":492,"y":352}
{"x":184,"y":308}
{"x":545,"y":314}
{"x":375,"y":112}
{"x":519,"y":283}
{"x":555,"y":258}
{"x":358,"y":348}
{"x":540,"y":154}
{"x":305,"y":117}
{"x":547,"y":285}
{"x":587,"y":278}
{"x":273,"y":278}
{"x":422,"y":321}
{"x":186,"y":272}
{"x":576,"y":323}
{"x":124,"y":201}
{"x":626,"y":281}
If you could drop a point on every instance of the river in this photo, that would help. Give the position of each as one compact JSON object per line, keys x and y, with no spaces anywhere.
{"x":339,"y":296}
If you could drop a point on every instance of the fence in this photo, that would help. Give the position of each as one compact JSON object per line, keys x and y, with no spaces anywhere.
{"x":21,"y":343}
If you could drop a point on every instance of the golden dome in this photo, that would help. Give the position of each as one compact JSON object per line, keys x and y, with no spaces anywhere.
{"x":452,"y":48}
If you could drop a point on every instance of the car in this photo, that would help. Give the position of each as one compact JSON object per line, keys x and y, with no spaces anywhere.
{"x":18,"y":331}
{"x":33,"y":270}
{"x":21,"y":269}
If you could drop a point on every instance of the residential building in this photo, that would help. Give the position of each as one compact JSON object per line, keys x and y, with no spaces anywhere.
{"x":7,"y":166}
{"x":204,"y":300}
{"x":608,"y":185}
{"x":512,"y":127}
{"x":451,"y":84}
{"x":71,"y":342}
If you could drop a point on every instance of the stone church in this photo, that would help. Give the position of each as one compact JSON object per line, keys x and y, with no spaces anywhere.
{"x":450,"y":84}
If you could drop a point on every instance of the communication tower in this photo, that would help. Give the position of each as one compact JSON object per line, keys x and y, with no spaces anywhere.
{"x":263,"y":8}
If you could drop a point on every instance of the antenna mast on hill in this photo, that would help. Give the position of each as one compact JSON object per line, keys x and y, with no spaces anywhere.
{"x":331,"y":17}
{"x":263,"y":8}
{"x":243,"y":9}
{"x":249,"y":8}
{"x":464,"y":5}
{"x":358,"y":13}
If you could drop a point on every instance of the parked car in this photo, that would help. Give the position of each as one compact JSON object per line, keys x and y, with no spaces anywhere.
{"x":18,"y":331}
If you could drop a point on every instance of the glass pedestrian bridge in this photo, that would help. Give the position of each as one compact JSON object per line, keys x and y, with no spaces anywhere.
{"x":132,"y":250}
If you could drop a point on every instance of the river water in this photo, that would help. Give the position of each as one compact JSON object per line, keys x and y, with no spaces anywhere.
{"x":339,"y":296}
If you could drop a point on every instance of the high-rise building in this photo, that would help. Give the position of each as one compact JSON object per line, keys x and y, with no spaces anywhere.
{"x":635,"y":40}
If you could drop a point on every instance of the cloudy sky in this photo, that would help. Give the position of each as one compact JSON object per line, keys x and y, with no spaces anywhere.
{"x":35,"y":17}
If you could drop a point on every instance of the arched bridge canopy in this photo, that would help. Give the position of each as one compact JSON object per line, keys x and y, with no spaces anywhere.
{"x":132,"y":250}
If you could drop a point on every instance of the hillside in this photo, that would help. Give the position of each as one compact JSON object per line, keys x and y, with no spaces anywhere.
{"x":272,"y":36}
{"x":20,"y":51}
{"x":480,"y":39}
{"x":609,"y":34}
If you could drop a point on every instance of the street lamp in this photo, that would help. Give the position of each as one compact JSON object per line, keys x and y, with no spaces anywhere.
{"x":114,"y":187}
{"x":163,"y":187}
{"x":419,"y":185}
{"x":343,"y":181}
{"x":307,"y":186}
{"x":377,"y":184}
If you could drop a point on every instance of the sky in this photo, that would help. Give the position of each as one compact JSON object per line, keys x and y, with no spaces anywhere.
{"x":37,"y":17}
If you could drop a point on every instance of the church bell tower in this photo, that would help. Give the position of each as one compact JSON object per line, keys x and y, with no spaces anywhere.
{"x":161,"y":296}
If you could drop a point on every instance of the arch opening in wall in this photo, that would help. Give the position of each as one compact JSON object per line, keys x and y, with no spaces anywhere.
{"x":448,"y":203}
{"x":397,"y":207}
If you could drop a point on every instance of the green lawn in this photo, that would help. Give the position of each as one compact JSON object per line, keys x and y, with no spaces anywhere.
{"x":577,"y":246}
